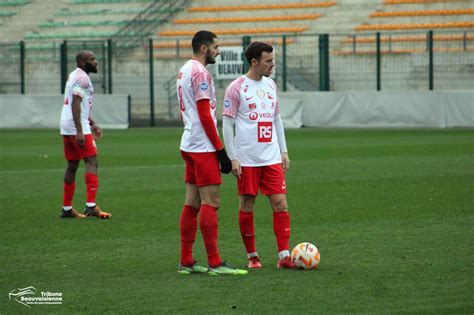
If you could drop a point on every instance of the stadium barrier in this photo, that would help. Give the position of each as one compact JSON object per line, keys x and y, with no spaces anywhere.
{"x":44,"y":111}
{"x":363,"y":109}
{"x":415,"y":109}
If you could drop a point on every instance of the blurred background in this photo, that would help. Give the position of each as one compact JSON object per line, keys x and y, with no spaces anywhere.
{"x":343,"y":45}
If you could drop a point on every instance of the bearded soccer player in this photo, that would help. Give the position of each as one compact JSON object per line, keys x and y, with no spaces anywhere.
{"x":78,"y":131}
{"x":258,"y":150}
{"x":202,"y":152}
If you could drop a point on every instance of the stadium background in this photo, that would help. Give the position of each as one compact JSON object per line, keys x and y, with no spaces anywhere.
{"x":390,"y":209}
{"x":141,"y":44}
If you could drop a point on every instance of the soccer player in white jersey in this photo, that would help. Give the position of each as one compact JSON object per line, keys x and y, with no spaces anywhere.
{"x":258,"y":150}
{"x":77,"y":128}
{"x":202,"y":151}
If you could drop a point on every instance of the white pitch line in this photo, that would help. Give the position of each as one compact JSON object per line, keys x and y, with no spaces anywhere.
{"x":54,"y":170}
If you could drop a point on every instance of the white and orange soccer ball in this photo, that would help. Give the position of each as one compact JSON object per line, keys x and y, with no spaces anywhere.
{"x":305,"y":256}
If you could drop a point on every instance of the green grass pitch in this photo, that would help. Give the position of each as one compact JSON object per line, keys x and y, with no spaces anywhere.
{"x":392,"y":212}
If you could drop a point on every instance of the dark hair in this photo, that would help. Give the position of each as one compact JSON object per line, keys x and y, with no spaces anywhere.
{"x":82,"y":55}
{"x":202,"y":38}
{"x":255,"y":50}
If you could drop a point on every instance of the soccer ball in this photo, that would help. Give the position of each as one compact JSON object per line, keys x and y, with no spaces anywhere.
{"x":305,"y":256}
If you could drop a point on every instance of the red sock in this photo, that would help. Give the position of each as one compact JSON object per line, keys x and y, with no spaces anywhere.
{"x":281,"y":227}
{"x":208,"y":224}
{"x":187,"y":229}
{"x":69,"y":189}
{"x":247,"y":230}
{"x":92,"y":183}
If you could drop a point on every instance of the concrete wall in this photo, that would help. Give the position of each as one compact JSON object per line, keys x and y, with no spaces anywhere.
{"x":44,"y":111}
{"x":446,"y":109}
{"x":414,"y":109}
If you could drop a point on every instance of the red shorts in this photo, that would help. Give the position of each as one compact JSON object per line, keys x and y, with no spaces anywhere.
{"x":73,"y":152}
{"x":270,"y":179}
{"x":202,"y":168}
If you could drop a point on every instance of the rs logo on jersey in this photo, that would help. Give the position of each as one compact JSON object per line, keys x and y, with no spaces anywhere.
{"x":265,"y":131}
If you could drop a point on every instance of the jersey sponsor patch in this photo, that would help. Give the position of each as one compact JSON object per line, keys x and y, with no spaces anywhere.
{"x":204,"y":86}
{"x":227,"y":103}
{"x":253,"y":115}
{"x":265,"y":131}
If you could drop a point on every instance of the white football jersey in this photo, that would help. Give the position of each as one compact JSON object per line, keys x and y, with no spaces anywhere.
{"x":254,"y":105}
{"x":195,"y":83}
{"x":78,"y":84}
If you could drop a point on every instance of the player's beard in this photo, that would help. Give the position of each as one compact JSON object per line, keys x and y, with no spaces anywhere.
{"x":91,"y":68}
{"x":210,"y":59}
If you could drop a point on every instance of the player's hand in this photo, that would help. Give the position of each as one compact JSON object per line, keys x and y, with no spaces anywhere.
{"x":80,"y":139}
{"x":224,"y":161}
{"x":96,"y":131}
{"x":285,"y":161}
{"x":236,"y":169}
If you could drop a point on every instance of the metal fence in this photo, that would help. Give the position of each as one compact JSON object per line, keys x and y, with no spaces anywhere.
{"x":439,"y":60}
{"x":12,"y":63}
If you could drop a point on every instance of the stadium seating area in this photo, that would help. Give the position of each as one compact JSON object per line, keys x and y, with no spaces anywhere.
{"x":74,"y":19}
{"x":253,"y":7}
{"x":262,"y":18}
{"x":452,"y":21}
{"x":406,"y":38}
{"x":100,"y":19}
{"x":9,"y":8}
{"x":420,"y":14}
{"x":423,"y":13}
{"x":414,"y":26}
{"x":13,"y":3}
{"x":419,"y":1}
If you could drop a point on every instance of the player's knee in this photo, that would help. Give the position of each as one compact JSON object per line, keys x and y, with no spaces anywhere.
{"x":280,"y":205}
{"x":193,"y":202}
{"x":213,"y":201}
{"x":72,"y":166}
{"x":71,"y":170}
{"x":92,"y":162}
{"x":247,"y":208}
{"x":95,"y":163}
{"x":247,"y":204}
{"x":216,"y":203}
